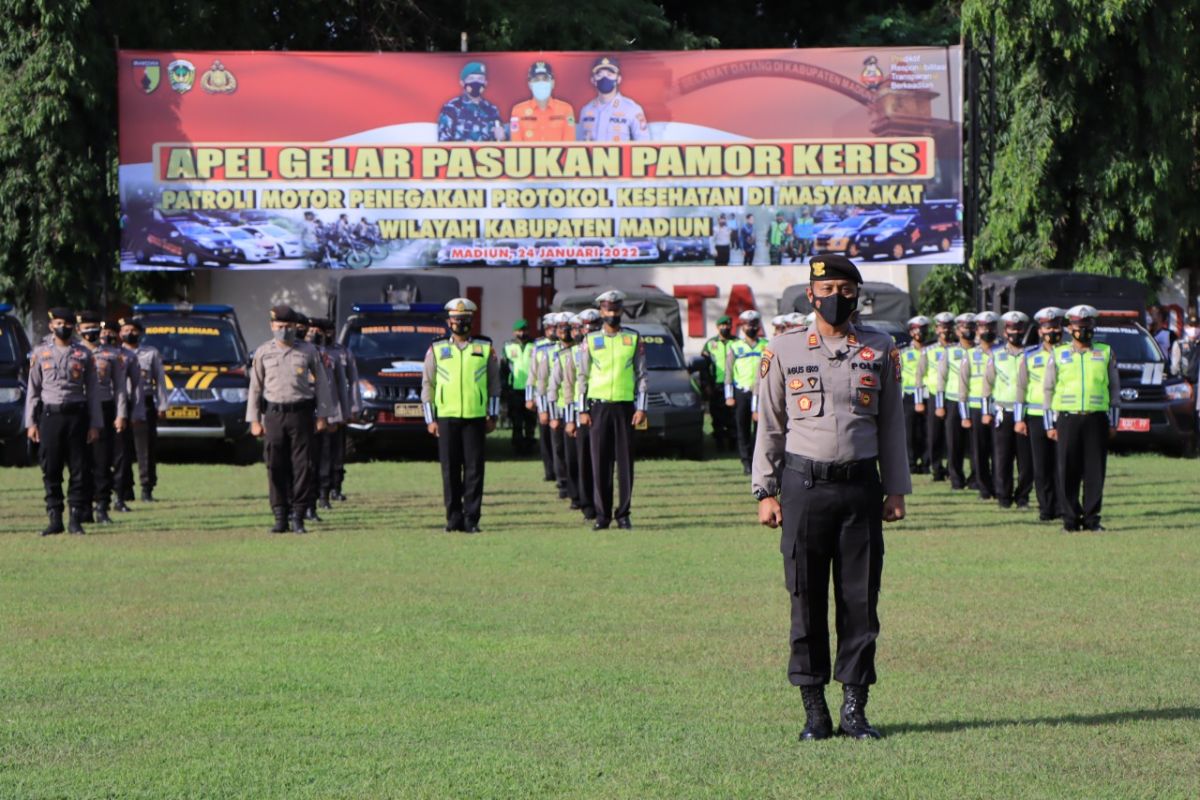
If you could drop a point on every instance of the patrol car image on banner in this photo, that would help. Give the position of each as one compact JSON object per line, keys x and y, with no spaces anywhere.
{"x":279,"y":160}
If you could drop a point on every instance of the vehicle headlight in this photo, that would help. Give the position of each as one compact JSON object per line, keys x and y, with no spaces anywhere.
{"x":681,"y":399}
{"x":234,"y":395}
{"x":1179,"y":391}
{"x":10,"y":394}
{"x":368,"y":390}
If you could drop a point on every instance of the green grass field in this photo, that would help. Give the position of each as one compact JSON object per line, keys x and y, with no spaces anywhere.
{"x":187,"y":653}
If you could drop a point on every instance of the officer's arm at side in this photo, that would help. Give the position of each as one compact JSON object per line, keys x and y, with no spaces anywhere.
{"x":893,"y":448}
{"x":92,"y":384}
{"x":1114,"y":391}
{"x":770,"y":443}
{"x":325,"y":403}
{"x":428,"y":385}
{"x":33,"y":392}
{"x":254,"y":394}
{"x":493,"y":385}
{"x":639,"y":375}
{"x":1049,"y":378}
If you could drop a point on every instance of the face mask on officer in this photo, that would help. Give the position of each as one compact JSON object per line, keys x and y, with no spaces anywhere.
{"x":606,"y":84}
{"x":966,"y":332}
{"x":63,"y":332}
{"x":724,"y":331}
{"x":1083,"y":333}
{"x":987,"y":335}
{"x":835,"y":308}
{"x":460,"y":325}
{"x":566,"y":334}
{"x":945,"y":333}
{"x":541,"y":90}
{"x":611,"y":317}
{"x":475,"y":89}
{"x":285,"y":334}
{"x":1014,"y":336}
{"x":315,"y":337}
{"x":131,"y":338}
{"x":91,"y":335}
{"x":1052,"y":335}
{"x":918,"y":334}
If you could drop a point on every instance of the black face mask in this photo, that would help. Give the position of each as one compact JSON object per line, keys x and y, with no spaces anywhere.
{"x":987,"y":336}
{"x":90,"y":336}
{"x":131,"y":338}
{"x":612,"y":320}
{"x":835,"y":308}
{"x":1052,"y":337}
{"x":475,"y":89}
{"x":751,"y":330}
{"x":460,"y":326}
{"x":316,"y":338}
{"x":1015,"y":338}
{"x":918,"y":335}
{"x":64,"y":332}
{"x":724,"y":331}
{"x":1083,"y":335}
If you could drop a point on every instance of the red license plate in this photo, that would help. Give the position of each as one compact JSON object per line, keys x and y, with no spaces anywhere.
{"x":1135,"y":424}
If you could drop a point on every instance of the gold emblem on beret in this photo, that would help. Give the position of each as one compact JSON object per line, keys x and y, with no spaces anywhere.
{"x":818,"y":268}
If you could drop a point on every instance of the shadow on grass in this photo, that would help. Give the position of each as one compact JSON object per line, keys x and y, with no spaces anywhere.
{"x":1111,"y":718}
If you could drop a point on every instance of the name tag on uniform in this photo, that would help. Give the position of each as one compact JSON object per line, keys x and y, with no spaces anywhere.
{"x":477,"y":350}
{"x":627,"y":340}
{"x":1097,"y":356}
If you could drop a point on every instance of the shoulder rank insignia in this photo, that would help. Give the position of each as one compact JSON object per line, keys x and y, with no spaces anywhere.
{"x":477,"y":349}
{"x":812,"y":340}
{"x":627,"y":340}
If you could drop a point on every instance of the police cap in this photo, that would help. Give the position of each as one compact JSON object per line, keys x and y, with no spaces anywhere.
{"x":541,"y":69}
{"x":778,"y":321}
{"x":1016,"y":319}
{"x":88,"y":316}
{"x":944,"y":318}
{"x":110,"y":325}
{"x":724,"y":320}
{"x":965,"y":319}
{"x":834,"y":267}
{"x":1081,"y":312}
{"x":472,"y":68}
{"x":62,"y":312}
{"x":987,"y":318}
{"x":284,"y":313}
{"x":613,"y":297}
{"x":1049,"y":314}
{"x":606,"y":62}
{"x":461,"y":307}
{"x":589,"y":315}
{"x":919,"y":321}
{"x":520,"y":325}
{"x":749,"y":315}
{"x":132,"y":322}
{"x":794,"y":318}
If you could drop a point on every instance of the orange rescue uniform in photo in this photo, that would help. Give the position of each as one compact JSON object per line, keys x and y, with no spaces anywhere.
{"x":531,"y":123}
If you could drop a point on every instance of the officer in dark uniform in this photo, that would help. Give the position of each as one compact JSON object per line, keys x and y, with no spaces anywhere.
{"x":460,"y":391}
{"x":321,"y":451}
{"x":123,"y":447}
{"x":287,"y":387}
{"x":741,"y":380}
{"x":349,"y":399}
{"x":831,"y":466}
{"x":911,"y":384}
{"x":63,"y":416}
{"x":1030,"y":412}
{"x":154,"y":393}
{"x":1082,"y":391}
{"x":1000,"y":384}
{"x":715,"y":353}
{"x":514,"y":375}
{"x":111,"y":389}
{"x":612,"y":391}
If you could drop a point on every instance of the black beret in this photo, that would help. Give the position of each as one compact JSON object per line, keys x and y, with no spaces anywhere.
{"x":284,"y":313}
{"x":62,"y":312}
{"x":324,"y":323}
{"x":87,"y":316}
{"x":132,"y":322}
{"x":109,"y":325}
{"x":302,"y":319}
{"x":834,"y":267}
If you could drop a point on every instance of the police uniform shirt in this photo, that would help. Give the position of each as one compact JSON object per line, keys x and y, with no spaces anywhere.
{"x":429,"y":376}
{"x":964,"y":382}
{"x":288,"y":374}
{"x":1019,"y":412}
{"x":334,"y":377}
{"x":133,"y":383}
{"x":1050,"y":379}
{"x":731,"y":358}
{"x":835,"y":400}
{"x":150,"y":366}
{"x":585,"y":366}
{"x":110,"y":378}
{"x":466,"y":120}
{"x":989,"y":374}
{"x":616,"y":120}
{"x":347,"y":392}
{"x":61,"y":375}
{"x":532,"y":123}
{"x":562,"y":381}
{"x":539,"y":373}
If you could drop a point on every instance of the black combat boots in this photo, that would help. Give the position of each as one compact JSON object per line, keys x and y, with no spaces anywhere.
{"x":323,"y":502}
{"x":102,"y":517}
{"x":281,"y":520}
{"x":298,"y":523}
{"x":75,"y":521}
{"x":56,"y":523}
{"x":817,"y":724}
{"x":854,"y":713}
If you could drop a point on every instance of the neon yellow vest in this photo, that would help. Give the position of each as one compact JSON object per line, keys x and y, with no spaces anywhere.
{"x":746,"y":359}
{"x":909,"y":357}
{"x":933,"y":357}
{"x":1004,"y":390}
{"x":461,"y":379}
{"x":1081,"y":379}
{"x":519,"y":356}
{"x":954,"y":355}
{"x":1035,"y":367}
{"x":718,"y":349}
{"x":976,"y":364}
{"x":610,"y":373}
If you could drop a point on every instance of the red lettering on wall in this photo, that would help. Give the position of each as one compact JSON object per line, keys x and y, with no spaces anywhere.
{"x":693,"y":297}
{"x":741,"y":298}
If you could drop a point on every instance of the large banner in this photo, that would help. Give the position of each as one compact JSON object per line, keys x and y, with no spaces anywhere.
{"x":357,"y":160}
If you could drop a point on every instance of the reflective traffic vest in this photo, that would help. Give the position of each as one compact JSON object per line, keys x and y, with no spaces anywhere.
{"x":1004,"y":388}
{"x":976,"y":364}
{"x":462,"y":389}
{"x":954,"y":355}
{"x":1081,"y":379}
{"x":746,"y":358}
{"x":610,"y":371}
{"x":933,"y":357}
{"x":909,"y":357}
{"x":518,"y":356}
{"x":717,"y":349}
{"x":1035,"y":367}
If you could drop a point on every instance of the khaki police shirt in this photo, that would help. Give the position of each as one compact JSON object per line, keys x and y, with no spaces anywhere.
{"x":562,"y":374}
{"x":59,"y":375}
{"x":110,"y":378}
{"x":134,"y":390}
{"x":153,"y":377}
{"x":833,"y":400}
{"x":638,"y":366}
{"x":288,"y":374}
{"x":429,"y":377}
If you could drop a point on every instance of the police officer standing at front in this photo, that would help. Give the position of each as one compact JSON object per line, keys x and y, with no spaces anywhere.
{"x":1082,"y":389}
{"x":831,"y":466}
{"x":288,"y":387}
{"x":715,"y":353}
{"x":62,"y":415}
{"x":460,"y":391}
{"x":612,"y":388}
{"x":741,"y":378}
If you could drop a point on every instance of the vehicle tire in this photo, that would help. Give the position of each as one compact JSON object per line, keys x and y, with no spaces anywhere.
{"x":192,"y":260}
{"x":943,"y":244}
{"x":852,"y":251}
{"x":140,"y":256}
{"x":379,"y":252}
{"x":896,"y":252}
{"x":358,"y":259}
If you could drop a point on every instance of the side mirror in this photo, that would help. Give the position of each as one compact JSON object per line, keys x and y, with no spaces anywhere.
{"x":696,"y":364}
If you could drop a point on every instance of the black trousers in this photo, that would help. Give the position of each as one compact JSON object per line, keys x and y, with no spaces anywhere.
{"x":558,"y":450}
{"x":612,"y":445}
{"x":547,"y":450}
{"x":1007,"y":446}
{"x":523,"y":421}
{"x":832,"y":528}
{"x":103,"y":451}
{"x":320,"y":457}
{"x":743,"y":423}
{"x":722,"y":418}
{"x":914,"y":434}
{"x":337,"y":444}
{"x":460,"y":449}
{"x":748,"y":256}
{"x":63,"y":437}
{"x":722,"y":257}
{"x":145,"y":438}
{"x":935,"y":442}
{"x":1044,"y":459}
{"x":288,"y":440}
{"x":571,"y":461}
{"x":956,"y":445}
{"x":1082,"y":456}
{"x":587,"y":483}
{"x":124,"y":454}
{"x":981,"y":453}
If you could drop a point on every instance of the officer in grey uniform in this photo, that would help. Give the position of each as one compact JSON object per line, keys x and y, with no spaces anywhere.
{"x":289,"y":401}
{"x":589,"y":322}
{"x":124,"y":450}
{"x":559,"y":394}
{"x":534,"y":391}
{"x":154,"y":393}
{"x":321,"y":451}
{"x":111,"y":389}
{"x":610,"y":116}
{"x":830,"y":466}
{"x":63,"y":416}
{"x":349,"y":397}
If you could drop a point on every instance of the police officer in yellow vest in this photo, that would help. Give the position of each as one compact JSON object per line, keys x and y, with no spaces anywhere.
{"x":1000,"y":384}
{"x":612,"y":388}
{"x":534,"y":401}
{"x":950,"y":390}
{"x":975,"y":407}
{"x":911,"y":385}
{"x":714,"y":352}
{"x":589,"y":322}
{"x":929,"y":367}
{"x":1030,"y":410}
{"x":741,"y":379}
{"x":514,"y":376}
{"x":558,"y":400}
{"x":1082,"y":389}
{"x":460,"y":391}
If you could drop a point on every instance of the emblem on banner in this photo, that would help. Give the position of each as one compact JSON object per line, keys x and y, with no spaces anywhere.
{"x":182,"y":75}
{"x":218,"y":80}
{"x":147,"y":74}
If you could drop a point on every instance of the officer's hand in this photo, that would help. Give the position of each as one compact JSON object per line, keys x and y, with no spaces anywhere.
{"x":544,"y":418}
{"x":893,"y":508}
{"x":162,"y":414}
{"x":1112,"y":432}
{"x":585,"y":419}
{"x":498,"y":131}
{"x":331,"y":427}
{"x":322,"y":425}
{"x":529,"y":404}
{"x":490,"y":425}
{"x":987,"y":419}
{"x":1021,"y":429}
{"x":639,"y":418}
{"x":119,"y":425}
{"x":754,"y":416}
{"x":554,"y":423}
{"x":966,"y":423}
{"x":34,"y":434}
{"x":769,"y":512}
{"x":731,"y":402}
{"x":919,"y":408}
{"x":93,"y":435}
{"x":1052,"y":435}
{"x":571,"y":429}
{"x":940,"y":413}
{"x":256,"y":430}
{"x":432,"y":428}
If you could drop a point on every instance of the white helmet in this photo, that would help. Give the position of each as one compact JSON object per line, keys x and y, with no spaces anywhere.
{"x":460,"y":306}
{"x":795,"y":319}
{"x":1081,"y":312}
{"x":588,"y":316}
{"x":919,"y":321}
{"x":779,"y":321}
{"x":987,"y":318}
{"x":1017,"y":318}
{"x":611,"y":296}
{"x":965,"y":319}
{"x":944,"y":318}
{"x":1049,"y":314}
{"x":750,"y":315}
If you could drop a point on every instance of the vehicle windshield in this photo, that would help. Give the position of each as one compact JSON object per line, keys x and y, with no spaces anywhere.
{"x":275,"y":231}
{"x":236,"y":233}
{"x":9,"y":344}
{"x":855,"y":222}
{"x":195,"y":340}
{"x":1129,"y":345}
{"x":400,"y":341}
{"x":193,"y":229}
{"x":662,"y":352}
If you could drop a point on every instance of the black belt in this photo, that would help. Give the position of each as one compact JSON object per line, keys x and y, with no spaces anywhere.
{"x":285,"y":408}
{"x":610,"y":402}
{"x":64,"y":408}
{"x":833,"y":472}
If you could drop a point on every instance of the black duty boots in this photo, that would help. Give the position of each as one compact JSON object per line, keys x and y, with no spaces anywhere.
{"x":56,"y":523}
{"x":817,"y":724}
{"x":854,"y":713}
{"x":281,"y":520}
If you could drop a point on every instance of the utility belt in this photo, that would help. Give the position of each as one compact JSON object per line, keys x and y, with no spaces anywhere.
{"x":594,"y":403}
{"x":1079,"y":413}
{"x":833,"y":472}
{"x":287,"y":408}
{"x":64,"y":409}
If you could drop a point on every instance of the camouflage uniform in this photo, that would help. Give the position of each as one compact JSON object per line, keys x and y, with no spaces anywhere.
{"x":463,"y":120}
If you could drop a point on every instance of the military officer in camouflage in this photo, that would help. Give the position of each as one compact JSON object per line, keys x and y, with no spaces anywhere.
{"x":470,"y":117}
{"x":830,"y":467}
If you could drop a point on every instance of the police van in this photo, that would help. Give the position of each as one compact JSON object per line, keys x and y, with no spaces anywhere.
{"x":207,"y":375}
{"x":14,"y":377}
